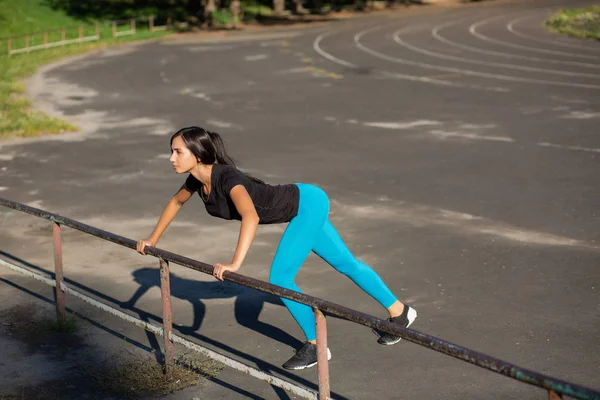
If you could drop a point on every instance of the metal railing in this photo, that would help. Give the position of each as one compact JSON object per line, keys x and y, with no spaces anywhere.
{"x":555,"y":387}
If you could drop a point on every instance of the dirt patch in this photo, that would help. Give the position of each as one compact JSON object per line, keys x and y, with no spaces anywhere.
{"x":51,"y":361}
{"x":40,"y":334}
{"x":42,"y":359}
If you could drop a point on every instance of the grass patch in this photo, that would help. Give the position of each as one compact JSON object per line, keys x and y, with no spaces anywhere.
{"x":581,"y":22}
{"x":124,"y":372}
{"x":20,"y":17}
{"x":222,"y":17}
{"x":252,"y":9}
{"x":39,"y":330}
{"x":17,"y":118}
{"x":68,"y":325}
{"x":23,"y":322}
{"x":135,"y":374}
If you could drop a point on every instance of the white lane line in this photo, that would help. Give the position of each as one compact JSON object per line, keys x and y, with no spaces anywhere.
{"x":435,"y":32}
{"x":558,"y":146}
{"x":459,"y":70}
{"x":473,"y":136}
{"x":402,"y":125}
{"x":473,"y":31}
{"x":256,"y":57}
{"x":511,"y":28}
{"x":582,"y":115}
{"x":401,"y":42}
{"x":319,"y":50}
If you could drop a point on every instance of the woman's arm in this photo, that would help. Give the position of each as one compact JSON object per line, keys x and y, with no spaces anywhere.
{"x":245,"y":207}
{"x":168,"y":214}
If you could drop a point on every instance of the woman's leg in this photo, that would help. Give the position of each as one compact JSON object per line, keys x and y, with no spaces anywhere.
{"x":331,"y":248}
{"x":295,"y":245}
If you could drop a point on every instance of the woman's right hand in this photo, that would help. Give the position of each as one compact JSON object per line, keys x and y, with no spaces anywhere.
{"x":141,"y":245}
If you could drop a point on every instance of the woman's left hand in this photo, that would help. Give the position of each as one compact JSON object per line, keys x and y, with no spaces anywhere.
{"x":219,"y":269}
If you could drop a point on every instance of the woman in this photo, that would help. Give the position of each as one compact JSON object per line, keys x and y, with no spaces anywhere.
{"x":230,"y":194}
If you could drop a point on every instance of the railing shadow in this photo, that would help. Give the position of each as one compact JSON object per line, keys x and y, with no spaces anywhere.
{"x":248,"y":305}
{"x":248,"y":302}
{"x":130,"y":341}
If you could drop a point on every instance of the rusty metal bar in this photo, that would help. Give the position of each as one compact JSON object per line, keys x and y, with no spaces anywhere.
{"x":165,"y":291}
{"x":58,"y":269}
{"x":80,"y":34}
{"x":281,"y":383}
{"x":431,"y":342}
{"x":63,"y":35}
{"x":114,"y":29}
{"x":9,"y":47}
{"x":151,"y":24}
{"x":133,"y":25}
{"x":322,"y":356}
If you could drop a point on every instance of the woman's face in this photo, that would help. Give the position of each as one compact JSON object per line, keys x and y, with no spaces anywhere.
{"x":181,"y":157}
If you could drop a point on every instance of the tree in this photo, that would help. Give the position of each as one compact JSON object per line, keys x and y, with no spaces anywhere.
{"x":278,"y":7}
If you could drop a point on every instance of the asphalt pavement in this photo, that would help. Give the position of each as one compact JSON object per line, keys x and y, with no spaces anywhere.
{"x":459,"y":147}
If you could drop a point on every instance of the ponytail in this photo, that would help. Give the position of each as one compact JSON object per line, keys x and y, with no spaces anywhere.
{"x":208,"y":147}
{"x":219,"y":149}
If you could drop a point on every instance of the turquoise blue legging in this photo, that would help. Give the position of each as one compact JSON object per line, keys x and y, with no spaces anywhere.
{"x":311,"y":230}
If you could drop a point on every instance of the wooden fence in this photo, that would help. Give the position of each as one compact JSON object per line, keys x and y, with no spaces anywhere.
{"x":81,"y":34}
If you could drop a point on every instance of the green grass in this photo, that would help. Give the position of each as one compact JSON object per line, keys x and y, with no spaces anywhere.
{"x":69,"y":324}
{"x":222,"y":16}
{"x":581,"y":23}
{"x":18,"y":17}
{"x":253,"y":8}
{"x":131,"y":374}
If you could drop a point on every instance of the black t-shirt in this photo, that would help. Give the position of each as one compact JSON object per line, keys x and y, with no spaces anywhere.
{"x":274,"y":204}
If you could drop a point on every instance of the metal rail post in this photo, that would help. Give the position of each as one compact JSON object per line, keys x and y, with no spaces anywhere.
{"x":58,"y":268}
{"x":165,"y":291}
{"x":322,"y":361}
{"x":552,"y":395}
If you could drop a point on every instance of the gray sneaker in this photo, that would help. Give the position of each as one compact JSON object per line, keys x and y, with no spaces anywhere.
{"x":305,"y":357}
{"x":406,"y":319}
